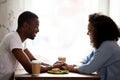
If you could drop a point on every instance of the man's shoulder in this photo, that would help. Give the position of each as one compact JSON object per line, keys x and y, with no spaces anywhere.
{"x":11,"y":33}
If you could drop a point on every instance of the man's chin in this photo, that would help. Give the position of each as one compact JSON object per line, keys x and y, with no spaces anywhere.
{"x":32,"y":38}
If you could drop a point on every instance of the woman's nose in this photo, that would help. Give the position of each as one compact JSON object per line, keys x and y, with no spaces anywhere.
{"x":37,"y":29}
{"x":87,"y":33}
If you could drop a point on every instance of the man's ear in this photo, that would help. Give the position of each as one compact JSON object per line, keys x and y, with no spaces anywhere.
{"x":25,"y":25}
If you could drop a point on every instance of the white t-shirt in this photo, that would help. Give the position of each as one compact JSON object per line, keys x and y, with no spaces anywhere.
{"x":8,"y":62}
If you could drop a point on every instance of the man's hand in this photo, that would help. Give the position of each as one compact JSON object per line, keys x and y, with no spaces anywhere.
{"x":59,"y":64}
{"x":45,"y":64}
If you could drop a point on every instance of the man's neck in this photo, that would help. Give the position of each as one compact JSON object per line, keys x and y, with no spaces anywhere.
{"x":21,"y":34}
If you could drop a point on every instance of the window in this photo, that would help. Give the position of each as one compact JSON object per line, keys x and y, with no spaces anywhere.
{"x":63,"y":29}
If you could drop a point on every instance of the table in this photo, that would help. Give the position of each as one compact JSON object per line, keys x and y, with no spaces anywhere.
{"x":23,"y":75}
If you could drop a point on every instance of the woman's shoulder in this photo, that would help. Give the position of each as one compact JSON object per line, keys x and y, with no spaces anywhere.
{"x":108,"y":43}
{"x":108,"y":46}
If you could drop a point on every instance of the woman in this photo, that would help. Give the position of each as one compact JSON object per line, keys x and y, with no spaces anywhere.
{"x":104,"y":34}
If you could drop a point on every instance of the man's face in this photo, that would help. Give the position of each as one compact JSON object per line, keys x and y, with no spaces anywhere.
{"x":33,"y":28}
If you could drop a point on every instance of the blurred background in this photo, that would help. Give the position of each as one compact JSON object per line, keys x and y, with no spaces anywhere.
{"x":63,"y":25}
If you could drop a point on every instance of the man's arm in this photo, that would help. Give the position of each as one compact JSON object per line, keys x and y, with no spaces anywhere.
{"x":29,"y":54}
{"x":23,"y":59}
{"x":31,"y":57}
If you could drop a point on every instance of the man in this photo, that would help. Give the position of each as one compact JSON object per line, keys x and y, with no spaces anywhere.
{"x":13,"y":46}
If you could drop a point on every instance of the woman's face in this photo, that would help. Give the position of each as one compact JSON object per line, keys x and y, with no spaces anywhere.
{"x":90,"y":32}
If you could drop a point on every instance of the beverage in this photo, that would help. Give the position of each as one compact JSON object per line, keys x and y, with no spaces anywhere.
{"x":35,"y":67}
{"x":62,"y":59}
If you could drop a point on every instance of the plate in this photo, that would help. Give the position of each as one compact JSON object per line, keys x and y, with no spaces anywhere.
{"x":58,"y":72}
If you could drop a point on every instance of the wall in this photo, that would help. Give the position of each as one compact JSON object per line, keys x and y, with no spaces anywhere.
{"x":9,"y":11}
{"x":115,"y":11}
{"x":104,"y":6}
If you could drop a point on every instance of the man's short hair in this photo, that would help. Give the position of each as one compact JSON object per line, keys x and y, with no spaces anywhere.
{"x":25,"y":17}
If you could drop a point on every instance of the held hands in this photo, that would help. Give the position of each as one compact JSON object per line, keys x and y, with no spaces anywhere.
{"x":61,"y":65}
{"x":64,"y":66}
